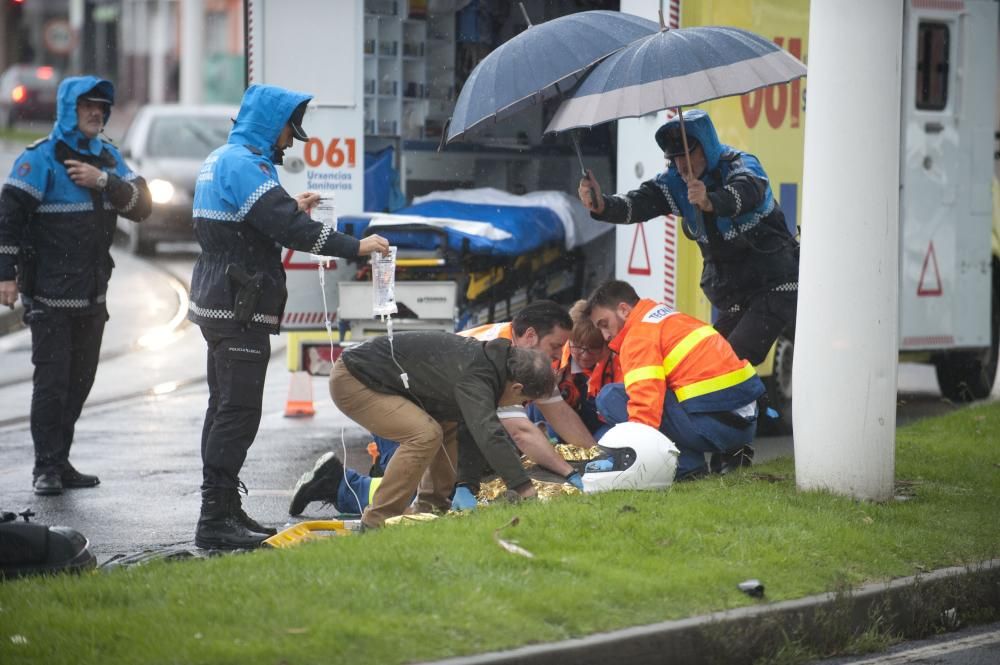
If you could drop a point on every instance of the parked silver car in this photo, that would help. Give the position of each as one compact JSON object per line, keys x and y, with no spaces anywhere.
{"x":166,"y":144}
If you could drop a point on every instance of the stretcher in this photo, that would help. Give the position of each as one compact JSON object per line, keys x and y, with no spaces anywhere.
{"x":466,"y":257}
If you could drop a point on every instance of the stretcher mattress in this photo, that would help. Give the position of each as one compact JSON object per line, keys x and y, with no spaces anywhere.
{"x":484,"y":222}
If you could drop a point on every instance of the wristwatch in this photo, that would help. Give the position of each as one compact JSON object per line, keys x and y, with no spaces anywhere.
{"x":102,"y":180}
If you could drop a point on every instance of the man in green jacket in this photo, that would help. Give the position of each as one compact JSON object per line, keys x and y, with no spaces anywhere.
{"x":416,"y":389}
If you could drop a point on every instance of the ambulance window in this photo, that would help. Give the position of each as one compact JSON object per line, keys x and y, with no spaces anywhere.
{"x":932,"y":66}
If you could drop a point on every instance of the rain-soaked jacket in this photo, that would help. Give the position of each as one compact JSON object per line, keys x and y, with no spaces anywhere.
{"x":242,"y":216}
{"x":664,"y":350}
{"x":745,"y":243}
{"x":452,"y":378}
{"x":55,"y":235}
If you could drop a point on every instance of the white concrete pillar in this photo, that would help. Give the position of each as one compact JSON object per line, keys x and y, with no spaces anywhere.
{"x":192,"y":50}
{"x":846,"y":338}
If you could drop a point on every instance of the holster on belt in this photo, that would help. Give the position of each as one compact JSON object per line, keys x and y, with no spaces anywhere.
{"x":248,"y":292}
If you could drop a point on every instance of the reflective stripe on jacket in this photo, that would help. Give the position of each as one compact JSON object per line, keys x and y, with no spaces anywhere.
{"x":662,"y":349}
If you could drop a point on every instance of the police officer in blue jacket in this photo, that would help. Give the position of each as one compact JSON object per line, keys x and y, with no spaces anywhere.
{"x":58,"y":211}
{"x":751,"y":259}
{"x":242,"y":217}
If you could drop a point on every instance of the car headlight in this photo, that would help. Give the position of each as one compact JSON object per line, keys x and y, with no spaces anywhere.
{"x":161,"y":190}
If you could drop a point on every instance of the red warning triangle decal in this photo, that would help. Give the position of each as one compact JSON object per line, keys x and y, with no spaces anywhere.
{"x":930,"y":287}
{"x":635,"y":268}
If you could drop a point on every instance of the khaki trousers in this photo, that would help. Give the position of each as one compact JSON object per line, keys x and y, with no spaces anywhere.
{"x":428,"y":449}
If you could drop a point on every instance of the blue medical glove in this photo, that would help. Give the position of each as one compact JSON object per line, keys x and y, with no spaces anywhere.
{"x":600,"y":465}
{"x":464,"y":499}
{"x":575,"y":480}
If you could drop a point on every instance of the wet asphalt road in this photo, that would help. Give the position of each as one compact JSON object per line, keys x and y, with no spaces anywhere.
{"x":979,"y":645}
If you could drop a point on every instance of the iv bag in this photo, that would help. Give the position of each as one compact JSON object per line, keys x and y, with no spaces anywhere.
{"x":384,"y":283}
{"x":325,"y":213}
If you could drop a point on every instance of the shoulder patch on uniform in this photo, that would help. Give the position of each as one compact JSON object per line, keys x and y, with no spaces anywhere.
{"x":24,"y":169}
{"x":657,"y":314}
{"x":38,"y":143}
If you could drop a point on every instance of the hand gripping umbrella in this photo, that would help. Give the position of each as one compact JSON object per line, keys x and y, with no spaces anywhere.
{"x":675,"y":68}
{"x":542,"y":62}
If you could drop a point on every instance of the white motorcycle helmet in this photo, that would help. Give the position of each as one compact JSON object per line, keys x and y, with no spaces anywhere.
{"x":641,"y":457}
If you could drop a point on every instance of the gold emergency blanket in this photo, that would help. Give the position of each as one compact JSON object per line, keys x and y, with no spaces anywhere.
{"x":496,"y":489}
{"x":546,"y":490}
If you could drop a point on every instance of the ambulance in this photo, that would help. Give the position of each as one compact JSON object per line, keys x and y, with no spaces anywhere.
{"x":949,"y":253}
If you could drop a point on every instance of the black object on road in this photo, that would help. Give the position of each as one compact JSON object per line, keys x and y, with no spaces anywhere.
{"x":29,"y":548}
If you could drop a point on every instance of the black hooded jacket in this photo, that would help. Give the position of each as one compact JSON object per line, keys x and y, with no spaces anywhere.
{"x":452,"y":378}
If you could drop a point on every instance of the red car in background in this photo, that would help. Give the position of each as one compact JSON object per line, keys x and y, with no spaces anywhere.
{"x":28,"y":92}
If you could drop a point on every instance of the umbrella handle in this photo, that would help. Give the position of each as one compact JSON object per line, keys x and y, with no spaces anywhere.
{"x":583,"y":170}
{"x":684,"y":140}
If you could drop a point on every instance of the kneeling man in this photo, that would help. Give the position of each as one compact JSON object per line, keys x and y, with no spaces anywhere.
{"x":415,"y":389}
{"x":681,"y":377}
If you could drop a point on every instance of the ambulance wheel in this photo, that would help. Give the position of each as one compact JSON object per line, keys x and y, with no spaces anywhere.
{"x":964,"y":376}
{"x":779,"y":390}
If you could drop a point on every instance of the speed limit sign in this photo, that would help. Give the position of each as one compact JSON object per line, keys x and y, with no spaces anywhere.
{"x":58,"y":36}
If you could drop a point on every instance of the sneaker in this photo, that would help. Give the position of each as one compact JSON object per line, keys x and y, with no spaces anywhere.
{"x":71,"y":478}
{"x":319,"y":484}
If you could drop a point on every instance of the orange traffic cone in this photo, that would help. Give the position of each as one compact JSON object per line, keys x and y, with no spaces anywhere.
{"x":300,"y":396}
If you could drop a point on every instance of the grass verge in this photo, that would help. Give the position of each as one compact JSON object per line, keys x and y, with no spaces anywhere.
{"x":600,"y":562}
{"x":21,"y":137}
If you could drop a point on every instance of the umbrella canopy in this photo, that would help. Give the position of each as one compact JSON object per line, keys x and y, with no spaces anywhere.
{"x":675,"y":68}
{"x":543,"y":61}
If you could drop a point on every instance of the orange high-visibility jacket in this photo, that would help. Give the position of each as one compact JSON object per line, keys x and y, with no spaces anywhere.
{"x":608,"y":369}
{"x":662,"y":349}
{"x":490,"y":331}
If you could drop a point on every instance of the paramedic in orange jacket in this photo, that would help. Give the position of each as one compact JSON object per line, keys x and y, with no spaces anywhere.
{"x":543,"y":325}
{"x":681,"y":377}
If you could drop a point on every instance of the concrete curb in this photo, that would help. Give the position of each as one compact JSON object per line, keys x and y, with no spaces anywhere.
{"x":909,"y":607}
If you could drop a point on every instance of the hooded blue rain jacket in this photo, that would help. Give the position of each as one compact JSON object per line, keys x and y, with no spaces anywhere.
{"x":242,"y":216}
{"x":745,"y":243}
{"x":55,"y":235}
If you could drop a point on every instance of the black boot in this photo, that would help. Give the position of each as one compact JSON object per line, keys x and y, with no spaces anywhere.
{"x":71,"y":478}
{"x":320,"y":484}
{"x":219,"y":526}
{"x":247,"y":521}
